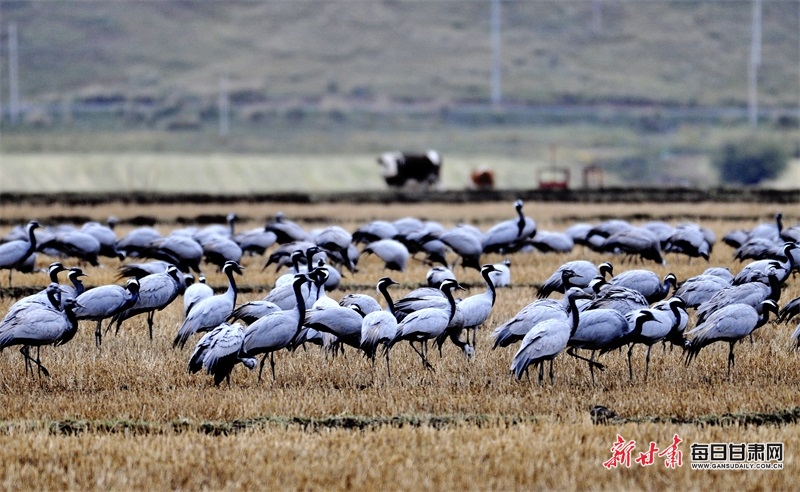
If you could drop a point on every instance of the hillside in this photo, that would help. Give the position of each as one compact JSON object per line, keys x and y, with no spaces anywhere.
{"x":337,"y":54}
{"x":647,"y":89}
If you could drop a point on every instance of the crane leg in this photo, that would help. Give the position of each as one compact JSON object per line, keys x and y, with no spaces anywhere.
{"x":98,"y":333}
{"x":630,"y":366}
{"x":272,"y":365}
{"x":388,"y":370}
{"x":150,"y":316}
{"x":424,"y":359}
{"x":552,"y":378}
{"x":647,"y":362}
{"x":541,"y":373}
{"x":261,"y":367}
{"x":731,"y":362}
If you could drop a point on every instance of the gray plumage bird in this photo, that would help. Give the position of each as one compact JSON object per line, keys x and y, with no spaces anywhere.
{"x":730,"y":324}
{"x":661,"y":323}
{"x":646,"y":283}
{"x":509,"y":234}
{"x":427,"y":323}
{"x":600,"y":330}
{"x":156,"y":292}
{"x":276,"y":331}
{"x":753,"y":294}
{"x":466,"y":244}
{"x":77,"y":244}
{"x":615,"y":297}
{"x":393,"y":253}
{"x":698,"y":289}
{"x":177,"y":249}
{"x":379,"y":326}
{"x":342,"y":322}
{"x":103,"y":302}
{"x":436,"y":275}
{"x":137,"y":240}
{"x":286,"y":231}
{"x":13,"y":254}
{"x":584,"y":272}
{"x":195,"y":293}
{"x":534,"y":313}
{"x":212,"y":311}
{"x":635,"y":242}
{"x":477,"y":308}
{"x":40,"y":297}
{"x":140,"y":270}
{"x":546,"y":339}
{"x":758,"y":270}
{"x":40,"y":326}
{"x":218,"y":353}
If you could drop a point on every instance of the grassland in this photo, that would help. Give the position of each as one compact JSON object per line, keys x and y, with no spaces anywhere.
{"x":130,"y":416}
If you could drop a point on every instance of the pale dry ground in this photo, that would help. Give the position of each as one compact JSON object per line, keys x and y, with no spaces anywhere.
{"x":498,"y":433}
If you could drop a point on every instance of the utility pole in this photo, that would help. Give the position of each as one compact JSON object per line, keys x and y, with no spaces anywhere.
{"x":13,"y":75}
{"x":496,"y":58}
{"x":224,"y":107}
{"x":597,"y":16}
{"x":755,"y":61}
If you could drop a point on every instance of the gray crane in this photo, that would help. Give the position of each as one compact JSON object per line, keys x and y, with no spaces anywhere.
{"x":534,"y":313}
{"x":393,"y":253}
{"x":466,"y":244}
{"x":156,"y":292}
{"x":647,"y":283}
{"x":195,"y":293}
{"x":13,"y":254}
{"x":477,"y":308}
{"x":665,"y":320}
{"x":635,"y":242}
{"x":103,"y":302}
{"x":379,"y":326}
{"x":600,"y":330}
{"x":427,"y":323}
{"x":218,"y":352}
{"x":212,"y":311}
{"x":39,"y":326}
{"x":76,"y":244}
{"x":584,"y":272}
{"x":730,"y":324}
{"x":547,"y":338}
{"x":506,"y":235}
{"x":276,"y":331}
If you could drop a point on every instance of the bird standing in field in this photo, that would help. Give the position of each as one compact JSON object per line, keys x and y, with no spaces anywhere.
{"x":277,"y":330}
{"x":546,"y":339}
{"x":476,"y":309}
{"x":13,"y":254}
{"x":508,"y":234}
{"x":40,"y":326}
{"x":583,"y":272}
{"x":218,"y":352}
{"x":730,"y":324}
{"x":211,"y":311}
{"x":103,"y":302}
{"x":427,"y":323}
{"x":156,"y":292}
{"x":379,"y":326}
{"x":195,"y":293}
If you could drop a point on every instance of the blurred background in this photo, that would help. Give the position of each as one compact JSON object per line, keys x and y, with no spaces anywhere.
{"x":259,"y":96}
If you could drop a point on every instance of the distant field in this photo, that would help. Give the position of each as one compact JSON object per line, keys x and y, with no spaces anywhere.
{"x":232,"y":173}
{"x":236,"y":173}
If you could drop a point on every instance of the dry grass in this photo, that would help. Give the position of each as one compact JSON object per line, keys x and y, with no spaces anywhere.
{"x":146,"y":418}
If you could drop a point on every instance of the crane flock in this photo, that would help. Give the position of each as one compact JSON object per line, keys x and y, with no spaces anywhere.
{"x":600,"y":310}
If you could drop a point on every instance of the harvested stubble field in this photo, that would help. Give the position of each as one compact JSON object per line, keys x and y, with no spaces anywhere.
{"x":130,"y":416}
